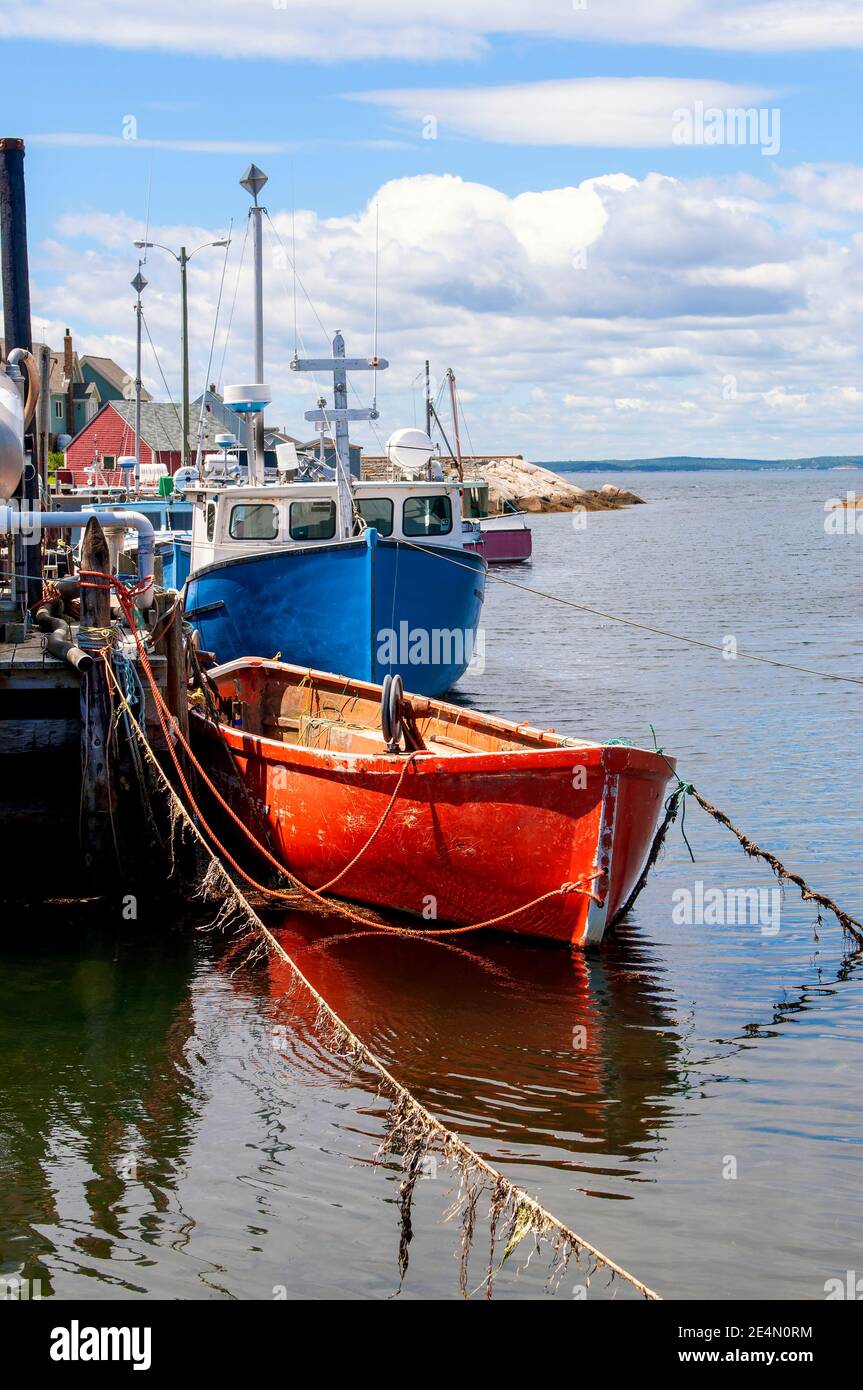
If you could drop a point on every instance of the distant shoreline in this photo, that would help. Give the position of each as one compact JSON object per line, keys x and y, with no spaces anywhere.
{"x":701,"y":465}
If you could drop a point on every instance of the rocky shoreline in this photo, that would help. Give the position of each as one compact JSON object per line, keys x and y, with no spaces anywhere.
{"x":530,"y":488}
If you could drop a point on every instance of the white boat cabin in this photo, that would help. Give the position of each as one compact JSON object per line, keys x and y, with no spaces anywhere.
{"x":236,"y":520}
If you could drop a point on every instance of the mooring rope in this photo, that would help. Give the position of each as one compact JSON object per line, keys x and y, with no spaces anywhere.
{"x":677,"y":802}
{"x":412,"y":1127}
{"x":437,"y":552}
{"x":672,"y":805}
{"x":808,"y":894}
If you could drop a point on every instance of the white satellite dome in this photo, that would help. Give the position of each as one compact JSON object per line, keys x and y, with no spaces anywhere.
{"x":409,"y":450}
{"x":185,"y":477}
{"x":247,"y":398}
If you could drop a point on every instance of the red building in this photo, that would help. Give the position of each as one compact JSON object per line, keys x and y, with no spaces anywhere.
{"x":110,"y":436}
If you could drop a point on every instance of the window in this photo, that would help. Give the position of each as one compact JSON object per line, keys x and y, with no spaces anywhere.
{"x":108,"y":460}
{"x":427,"y":516}
{"x":58,"y":410}
{"x":313,"y":520}
{"x":475,"y":501}
{"x":211,"y":520}
{"x":378,"y":512}
{"x":254,"y":521}
{"x":181,"y":520}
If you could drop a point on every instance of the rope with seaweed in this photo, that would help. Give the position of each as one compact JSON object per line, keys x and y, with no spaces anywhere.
{"x":677,"y":802}
{"x":848,"y":923}
{"x":411,"y":1128}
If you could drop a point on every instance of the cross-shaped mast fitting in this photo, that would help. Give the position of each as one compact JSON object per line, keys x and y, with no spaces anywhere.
{"x":340,"y":413}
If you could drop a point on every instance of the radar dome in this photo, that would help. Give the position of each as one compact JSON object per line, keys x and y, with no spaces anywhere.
{"x":409,"y":450}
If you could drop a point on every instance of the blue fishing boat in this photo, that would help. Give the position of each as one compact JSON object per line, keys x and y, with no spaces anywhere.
{"x":358,"y":578}
{"x":401,"y":597}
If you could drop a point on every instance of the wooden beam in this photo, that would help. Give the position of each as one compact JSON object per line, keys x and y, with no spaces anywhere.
{"x":170,"y":645}
{"x":98,"y":799}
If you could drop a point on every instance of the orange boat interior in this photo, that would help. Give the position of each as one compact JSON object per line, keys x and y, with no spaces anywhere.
{"x":314,"y":710}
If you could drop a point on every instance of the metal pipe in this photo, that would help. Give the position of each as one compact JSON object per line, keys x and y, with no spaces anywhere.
{"x":13,"y":245}
{"x":44,"y":413}
{"x":17,"y":330}
{"x":22,"y":523}
{"x":21,"y":357}
{"x":58,"y":638}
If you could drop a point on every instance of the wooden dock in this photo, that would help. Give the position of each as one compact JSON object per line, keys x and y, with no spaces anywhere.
{"x":40,"y":770}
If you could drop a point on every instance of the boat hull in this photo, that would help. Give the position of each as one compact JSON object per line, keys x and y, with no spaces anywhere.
{"x":504,"y":544}
{"x":471,"y":837}
{"x":363,"y":608}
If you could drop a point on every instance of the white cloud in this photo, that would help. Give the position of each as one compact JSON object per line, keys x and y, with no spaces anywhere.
{"x":827,"y":188}
{"x":698,"y":323}
{"x":603,"y":112}
{"x":331,"y":30}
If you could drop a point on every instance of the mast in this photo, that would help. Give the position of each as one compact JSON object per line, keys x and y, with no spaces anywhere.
{"x":339,"y":416}
{"x":428,"y":401}
{"x":184,"y":345}
{"x":454,"y":403}
{"x":138,"y":284}
{"x":253,"y":181}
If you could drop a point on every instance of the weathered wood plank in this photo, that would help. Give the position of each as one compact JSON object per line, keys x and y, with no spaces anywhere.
{"x":98,"y":799}
{"x":37,"y":735}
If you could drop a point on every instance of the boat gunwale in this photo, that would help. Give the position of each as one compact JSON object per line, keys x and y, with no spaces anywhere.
{"x":558,"y":752}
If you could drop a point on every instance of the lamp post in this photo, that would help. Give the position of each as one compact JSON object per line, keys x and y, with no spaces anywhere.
{"x":138,"y":284}
{"x":183,"y":257}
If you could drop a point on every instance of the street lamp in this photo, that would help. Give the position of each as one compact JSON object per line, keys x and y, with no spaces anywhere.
{"x":183,"y":257}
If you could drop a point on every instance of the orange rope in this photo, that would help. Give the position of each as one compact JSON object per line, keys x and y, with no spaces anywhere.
{"x":166,"y":719}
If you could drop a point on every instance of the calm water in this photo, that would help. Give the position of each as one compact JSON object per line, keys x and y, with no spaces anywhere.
{"x":170,"y":1127}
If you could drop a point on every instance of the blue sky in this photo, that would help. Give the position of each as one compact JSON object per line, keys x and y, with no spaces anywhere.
{"x":633,"y":358}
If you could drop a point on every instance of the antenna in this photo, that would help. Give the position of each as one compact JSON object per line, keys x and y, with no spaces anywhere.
{"x":149,"y":191}
{"x":375,"y":344}
{"x":340,"y":414}
{"x":294,"y":254}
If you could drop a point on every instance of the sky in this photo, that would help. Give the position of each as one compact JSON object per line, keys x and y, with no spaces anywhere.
{"x":631,"y":227}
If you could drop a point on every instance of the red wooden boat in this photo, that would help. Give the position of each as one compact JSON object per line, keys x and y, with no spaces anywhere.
{"x":489,"y":816}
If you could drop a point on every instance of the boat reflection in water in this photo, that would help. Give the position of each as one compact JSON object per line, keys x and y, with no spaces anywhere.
{"x":537,"y":1058}
{"x":153,"y":1140}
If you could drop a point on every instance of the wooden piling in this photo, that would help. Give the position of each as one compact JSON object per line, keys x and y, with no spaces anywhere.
{"x":98,"y":796}
{"x":170,"y":645}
